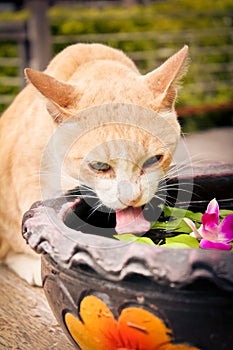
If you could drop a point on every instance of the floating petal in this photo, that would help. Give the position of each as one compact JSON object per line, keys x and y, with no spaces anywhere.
{"x":213,"y":208}
{"x":206,"y":244}
{"x":191,"y":224}
{"x":226,"y":228}
{"x":210,"y":229}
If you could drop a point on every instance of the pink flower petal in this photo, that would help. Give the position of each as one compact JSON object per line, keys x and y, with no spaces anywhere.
{"x":206,"y":244}
{"x":191,"y":224}
{"x":213,"y":207}
{"x":210,"y":224}
{"x":226,"y":228}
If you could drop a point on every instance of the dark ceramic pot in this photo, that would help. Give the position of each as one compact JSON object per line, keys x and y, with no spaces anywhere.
{"x":111,"y":295}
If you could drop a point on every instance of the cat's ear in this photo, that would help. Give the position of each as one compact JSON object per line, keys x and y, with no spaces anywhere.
{"x":60,"y":96}
{"x":164,"y":81}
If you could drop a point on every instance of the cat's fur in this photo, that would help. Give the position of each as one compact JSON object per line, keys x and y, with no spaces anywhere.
{"x":82,"y":76}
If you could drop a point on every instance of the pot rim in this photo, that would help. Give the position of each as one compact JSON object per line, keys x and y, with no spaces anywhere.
{"x":46,"y":233}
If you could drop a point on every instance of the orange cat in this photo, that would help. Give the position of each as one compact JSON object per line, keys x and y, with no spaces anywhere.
{"x":121,"y":159}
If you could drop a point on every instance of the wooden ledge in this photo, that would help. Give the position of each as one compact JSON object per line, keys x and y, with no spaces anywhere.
{"x":26,"y":321}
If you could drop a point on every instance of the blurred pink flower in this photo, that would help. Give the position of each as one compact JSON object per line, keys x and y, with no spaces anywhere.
{"x":212,"y":233}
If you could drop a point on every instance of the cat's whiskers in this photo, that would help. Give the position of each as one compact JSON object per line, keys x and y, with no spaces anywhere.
{"x":175,"y":188}
{"x":85,"y":187}
{"x":110,"y":212}
{"x":184,"y":165}
{"x":163,"y":199}
{"x":97,"y":206}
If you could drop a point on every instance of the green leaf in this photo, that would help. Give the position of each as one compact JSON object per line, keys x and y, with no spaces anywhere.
{"x":176,"y":245}
{"x":176,"y":225}
{"x":224,"y":212}
{"x":145,"y":240}
{"x":159,"y":225}
{"x":128,"y":237}
{"x":181,"y":241}
{"x":181,"y":213}
{"x":196,"y":217}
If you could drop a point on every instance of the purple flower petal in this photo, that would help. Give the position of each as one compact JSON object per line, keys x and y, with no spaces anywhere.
{"x":210,"y":225}
{"x":209,"y":219}
{"x":226,"y":228}
{"x":213,"y":208}
{"x":205,"y":244}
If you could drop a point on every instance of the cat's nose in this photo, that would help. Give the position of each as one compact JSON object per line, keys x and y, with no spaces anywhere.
{"x":128,"y":193}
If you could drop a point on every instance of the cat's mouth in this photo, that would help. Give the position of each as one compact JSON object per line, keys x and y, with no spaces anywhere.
{"x":131,"y":220}
{"x":83,"y":216}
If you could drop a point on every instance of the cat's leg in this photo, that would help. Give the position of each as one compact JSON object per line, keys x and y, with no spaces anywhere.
{"x":27,"y":266}
{"x":15,"y":253}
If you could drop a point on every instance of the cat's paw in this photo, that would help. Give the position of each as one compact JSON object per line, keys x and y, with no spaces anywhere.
{"x":25,"y":266}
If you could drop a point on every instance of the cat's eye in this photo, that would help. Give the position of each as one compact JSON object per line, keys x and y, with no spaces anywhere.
{"x":99,"y":166}
{"x":152,"y":161}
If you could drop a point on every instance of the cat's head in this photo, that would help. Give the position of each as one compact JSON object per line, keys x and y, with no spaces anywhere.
{"x":124,"y":144}
{"x":121,"y":153}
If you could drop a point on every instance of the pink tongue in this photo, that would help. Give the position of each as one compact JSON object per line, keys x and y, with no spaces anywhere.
{"x":131,"y":220}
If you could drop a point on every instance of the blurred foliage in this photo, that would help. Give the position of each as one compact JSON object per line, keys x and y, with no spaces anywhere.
{"x":206,"y":120}
{"x":204,"y":25}
{"x":159,"y":16}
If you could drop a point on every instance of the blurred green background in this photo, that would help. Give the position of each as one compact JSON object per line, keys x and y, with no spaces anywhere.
{"x":149,"y":34}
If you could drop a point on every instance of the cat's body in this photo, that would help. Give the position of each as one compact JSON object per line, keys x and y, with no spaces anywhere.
{"x":86,"y":76}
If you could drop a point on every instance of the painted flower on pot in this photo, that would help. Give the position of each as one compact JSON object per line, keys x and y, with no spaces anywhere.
{"x":213,"y":233}
{"x":96,"y":328}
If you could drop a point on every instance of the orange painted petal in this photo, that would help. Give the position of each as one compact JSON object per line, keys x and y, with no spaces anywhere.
{"x":98,"y":328}
{"x":78,"y":332}
{"x":140,"y":329}
{"x":136,"y":329}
